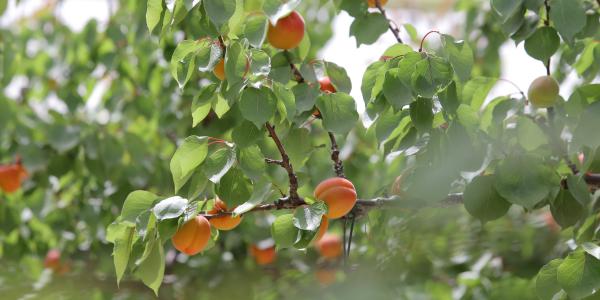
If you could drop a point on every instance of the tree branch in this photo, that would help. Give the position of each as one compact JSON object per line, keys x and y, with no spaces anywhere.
{"x":285,"y":163}
{"x":393,"y":27}
{"x":338,"y":167}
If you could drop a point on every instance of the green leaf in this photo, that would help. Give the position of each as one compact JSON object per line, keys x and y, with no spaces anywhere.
{"x":277,"y":9}
{"x":525,"y":180}
{"x":421,"y":113}
{"x":203,"y":103}
{"x":586,"y":132}
{"x":506,"y":8}
{"x":236,"y":63}
{"x":338,"y":111}
{"x":309,"y":217}
{"x":368,"y":28}
{"x":286,"y":103}
{"x":262,"y":191}
{"x":151,"y":268}
{"x":460,"y":56}
{"x":476,"y":90}
{"x":255,"y":29}
{"x":528,"y":27}
{"x":183,"y":61}
{"x":369,"y":80}
{"x":579,"y":274}
{"x":543,"y":43}
{"x":591,"y":249}
{"x":283,"y":231}
{"x":339,"y":78}
{"x":305,"y":96}
{"x":298,"y":144}
{"x":483,"y":201}
{"x":260,"y":63}
{"x":170,"y":208}
{"x":63,"y":138}
{"x":219,"y":11}
{"x":154,"y":10}
{"x":529,"y":134}
{"x":546,"y":282}
{"x":397,"y":92}
{"x":568,"y":17}
{"x":388,"y":122}
{"x":579,"y":189}
{"x":565,"y":209}
{"x":252,"y":162}
{"x":234,"y":188}
{"x":246,"y":134}
{"x":397,"y":50}
{"x":187,"y":157}
{"x":257,"y":105}
{"x":136,"y":203}
{"x":123,"y":240}
{"x":218,"y":163}
{"x":431,"y":75}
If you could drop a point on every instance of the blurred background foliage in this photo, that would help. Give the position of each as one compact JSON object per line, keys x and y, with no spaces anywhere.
{"x":97,"y":115}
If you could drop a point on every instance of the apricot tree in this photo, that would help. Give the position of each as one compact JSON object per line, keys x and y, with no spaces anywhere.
{"x":252,"y":133}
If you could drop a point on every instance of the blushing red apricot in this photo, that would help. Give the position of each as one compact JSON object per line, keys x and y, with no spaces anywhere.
{"x":371,"y":3}
{"x":263,"y":256}
{"x":227,"y":222}
{"x":193,"y":236}
{"x":326,"y":85}
{"x":287,"y":33}
{"x":219,"y":70}
{"x":339,"y":194}
{"x":325,"y":276}
{"x":11,"y":177}
{"x":330,"y":246}
{"x":52,"y":260}
{"x":322,"y":229}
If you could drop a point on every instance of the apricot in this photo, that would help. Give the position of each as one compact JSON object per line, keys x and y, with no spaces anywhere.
{"x":339,"y":194}
{"x":52,"y":260}
{"x":193,"y":236}
{"x":543,"y":92}
{"x":371,"y":3}
{"x":287,"y":33}
{"x":11,"y":177}
{"x":551,"y":223}
{"x":322,"y":229}
{"x":226,"y":222}
{"x":330,"y":246}
{"x":325,"y":276}
{"x":263,"y":255}
{"x":219,"y":69}
{"x":326,"y":85}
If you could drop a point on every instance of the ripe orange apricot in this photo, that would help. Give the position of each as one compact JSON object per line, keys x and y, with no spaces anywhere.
{"x":11,"y":177}
{"x":326,"y":85}
{"x":287,"y":33}
{"x":219,"y":69}
{"x":224,"y":222}
{"x":52,"y":260}
{"x":322,"y":229}
{"x":263,"y":255}
{"x":339,"y":194}
{"x":371,"y":3}
{"x":551,"y":223}
{"x":325,"y":276}
{"x":330,"y":246}
{"x":193,"y":236}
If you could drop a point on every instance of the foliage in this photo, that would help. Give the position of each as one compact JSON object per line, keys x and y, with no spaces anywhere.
{"x":125,"y":170}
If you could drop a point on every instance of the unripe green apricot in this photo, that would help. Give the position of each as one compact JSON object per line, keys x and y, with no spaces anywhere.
{"x":543,"y":92}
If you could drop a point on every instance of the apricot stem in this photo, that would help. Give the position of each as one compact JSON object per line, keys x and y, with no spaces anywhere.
{"x":297,"y":75}
{"x":393,"y":28}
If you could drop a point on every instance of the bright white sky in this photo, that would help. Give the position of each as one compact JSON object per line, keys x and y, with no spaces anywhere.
{"x":341,"y":49}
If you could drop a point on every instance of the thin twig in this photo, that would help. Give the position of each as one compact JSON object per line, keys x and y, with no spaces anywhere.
{"x":344,"y":241}
{"x":297,"y":75}
{"x":352,"y":221}
{"x":425,"y":37}
{"x":392,"y":26}
{"x":285,"y":163}
{"x":338,"y":166}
